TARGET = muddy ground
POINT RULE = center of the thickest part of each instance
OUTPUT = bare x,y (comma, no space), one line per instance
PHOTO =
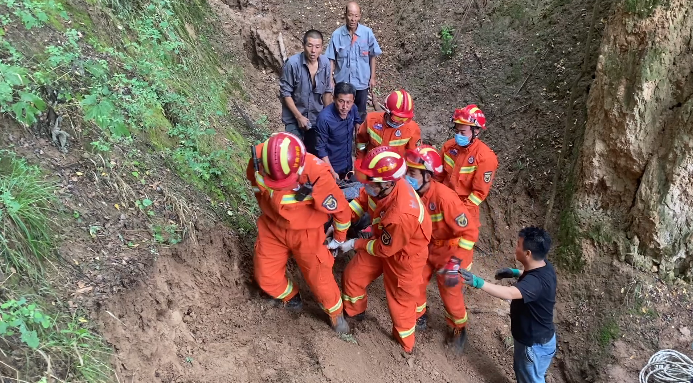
191,313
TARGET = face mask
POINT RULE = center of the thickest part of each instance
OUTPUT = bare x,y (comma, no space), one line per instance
413,182
461,139
370,190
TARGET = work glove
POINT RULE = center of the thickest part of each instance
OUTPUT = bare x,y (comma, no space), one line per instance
451,272
334,244
471,279
507,272
347,245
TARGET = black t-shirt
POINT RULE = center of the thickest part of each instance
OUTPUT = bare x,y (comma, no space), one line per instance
531,318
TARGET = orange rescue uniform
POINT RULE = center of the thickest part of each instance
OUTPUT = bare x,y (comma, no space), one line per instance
288,226
401,232
469,171
375,132
454,235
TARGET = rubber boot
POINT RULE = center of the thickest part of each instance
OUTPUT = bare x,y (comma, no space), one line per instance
339,324
422,322
358,317
458,340
295,303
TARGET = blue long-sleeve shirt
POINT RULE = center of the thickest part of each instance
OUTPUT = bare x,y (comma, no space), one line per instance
296,83
335,136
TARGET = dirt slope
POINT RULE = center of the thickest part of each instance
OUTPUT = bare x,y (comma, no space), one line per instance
190,312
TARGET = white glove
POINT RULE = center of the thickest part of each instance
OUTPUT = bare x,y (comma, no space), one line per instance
348,245
334,245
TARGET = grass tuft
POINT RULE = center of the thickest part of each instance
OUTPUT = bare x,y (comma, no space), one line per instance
26,201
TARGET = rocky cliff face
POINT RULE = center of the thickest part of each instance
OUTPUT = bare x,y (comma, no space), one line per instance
637,158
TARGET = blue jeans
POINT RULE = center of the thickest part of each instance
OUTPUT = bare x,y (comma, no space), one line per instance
532,362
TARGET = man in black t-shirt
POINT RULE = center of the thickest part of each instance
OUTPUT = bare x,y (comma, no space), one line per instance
531,309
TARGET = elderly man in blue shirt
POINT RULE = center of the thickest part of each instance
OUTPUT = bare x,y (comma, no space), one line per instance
305,87
352,52
335,130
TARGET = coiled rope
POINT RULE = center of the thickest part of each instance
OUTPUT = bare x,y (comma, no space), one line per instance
667,366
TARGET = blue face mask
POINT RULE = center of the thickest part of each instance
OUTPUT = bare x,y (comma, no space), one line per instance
461,139
413,182
370,190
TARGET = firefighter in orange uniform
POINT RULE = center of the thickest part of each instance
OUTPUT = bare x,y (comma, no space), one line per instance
452,245
399,248
297,194
469,164
394,127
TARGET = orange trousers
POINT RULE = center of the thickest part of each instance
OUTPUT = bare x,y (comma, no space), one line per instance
453,299
273,247
402,277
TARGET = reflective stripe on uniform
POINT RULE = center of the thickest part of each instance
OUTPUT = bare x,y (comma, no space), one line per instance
449,160
334,308
475,200
466,244
371,204
455,320
436,217
361,146
356,207
469,268
369,247
468,169
399,142
375,136
422,211
287,291
376,221
341,226
404,334
291,198
352,300
256,189
421,308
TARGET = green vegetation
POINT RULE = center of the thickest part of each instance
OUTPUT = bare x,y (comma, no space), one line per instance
164,85
600,234
642,8
447,42
26,200
608,332
62,341
143,81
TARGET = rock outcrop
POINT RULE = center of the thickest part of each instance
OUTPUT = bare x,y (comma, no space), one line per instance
637,157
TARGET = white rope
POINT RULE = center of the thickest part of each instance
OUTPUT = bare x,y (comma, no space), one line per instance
668,366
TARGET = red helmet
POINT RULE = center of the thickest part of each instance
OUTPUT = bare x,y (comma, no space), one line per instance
381,164
400,106
283,156
425,157
470,115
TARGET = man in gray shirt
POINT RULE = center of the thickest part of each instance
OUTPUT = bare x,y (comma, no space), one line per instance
305,87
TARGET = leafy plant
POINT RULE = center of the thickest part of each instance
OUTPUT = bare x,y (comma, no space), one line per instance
166,234
447,42
20,317
17,97
26,199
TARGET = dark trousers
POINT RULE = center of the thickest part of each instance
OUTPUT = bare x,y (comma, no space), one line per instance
361,101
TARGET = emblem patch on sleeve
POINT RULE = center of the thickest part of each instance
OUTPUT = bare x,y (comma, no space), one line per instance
386,238
487,177
330,203
462,220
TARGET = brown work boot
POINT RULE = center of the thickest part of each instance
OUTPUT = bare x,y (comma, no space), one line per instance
339,324
458,339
